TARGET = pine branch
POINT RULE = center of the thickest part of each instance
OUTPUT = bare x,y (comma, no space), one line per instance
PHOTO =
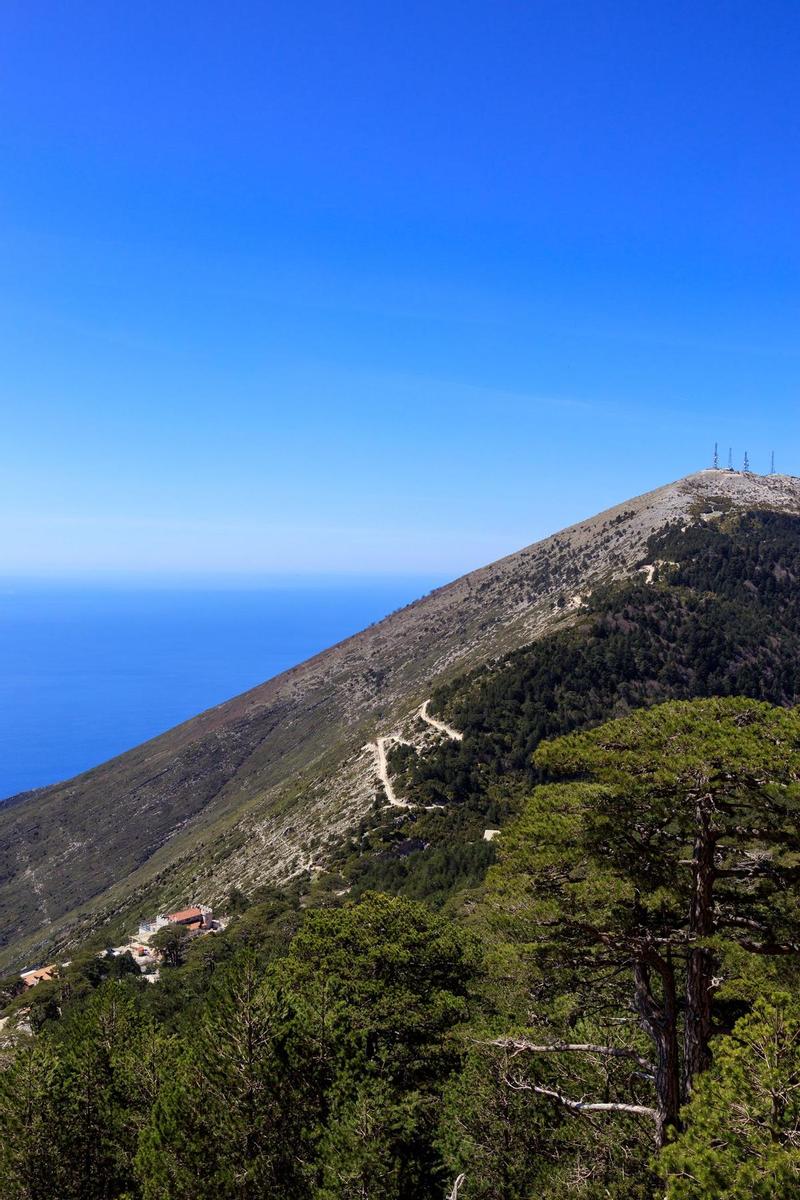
771,948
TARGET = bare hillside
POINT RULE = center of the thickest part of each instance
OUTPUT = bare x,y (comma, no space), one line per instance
253,789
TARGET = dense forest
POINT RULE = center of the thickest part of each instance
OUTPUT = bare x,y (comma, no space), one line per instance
601,1002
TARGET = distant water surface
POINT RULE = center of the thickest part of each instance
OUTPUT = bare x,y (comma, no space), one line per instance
86,673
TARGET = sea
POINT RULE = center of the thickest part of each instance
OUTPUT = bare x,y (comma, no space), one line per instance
87,672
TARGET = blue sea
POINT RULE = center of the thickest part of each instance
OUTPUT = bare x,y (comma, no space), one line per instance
87,672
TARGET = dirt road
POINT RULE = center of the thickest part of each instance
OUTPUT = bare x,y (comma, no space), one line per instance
440,725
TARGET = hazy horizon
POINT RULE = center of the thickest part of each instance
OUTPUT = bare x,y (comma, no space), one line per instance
90,671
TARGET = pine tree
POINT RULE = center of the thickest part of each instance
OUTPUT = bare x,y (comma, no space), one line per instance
488,1132
368,1148
742,1135
671,856
382,984
106,1091
231,1119
31,1155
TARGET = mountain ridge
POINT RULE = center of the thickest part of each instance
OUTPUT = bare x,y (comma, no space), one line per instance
264,781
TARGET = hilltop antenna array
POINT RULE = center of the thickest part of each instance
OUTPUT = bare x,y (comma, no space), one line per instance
746,467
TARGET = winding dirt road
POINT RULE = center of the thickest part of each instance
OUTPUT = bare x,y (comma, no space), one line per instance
378,748
440,725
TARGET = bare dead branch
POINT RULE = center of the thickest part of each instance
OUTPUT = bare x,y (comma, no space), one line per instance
584,1106
456,1188
523,1046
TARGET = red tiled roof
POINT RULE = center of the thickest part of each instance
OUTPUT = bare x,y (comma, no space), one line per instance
186,914
31,978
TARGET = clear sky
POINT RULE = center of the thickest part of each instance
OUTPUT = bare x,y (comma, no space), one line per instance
384,287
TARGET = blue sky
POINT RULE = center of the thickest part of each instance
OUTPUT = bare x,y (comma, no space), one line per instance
385,287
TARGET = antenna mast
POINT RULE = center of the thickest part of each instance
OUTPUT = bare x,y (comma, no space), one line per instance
772,463
746,464
716,457
730,458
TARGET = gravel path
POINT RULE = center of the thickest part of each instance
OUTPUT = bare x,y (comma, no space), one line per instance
440,725
378,748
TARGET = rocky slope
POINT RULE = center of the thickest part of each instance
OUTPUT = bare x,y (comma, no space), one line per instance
256,788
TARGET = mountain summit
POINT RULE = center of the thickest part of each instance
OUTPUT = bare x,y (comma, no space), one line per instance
261,787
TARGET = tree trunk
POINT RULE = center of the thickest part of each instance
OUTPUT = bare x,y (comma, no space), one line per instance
700,962
659,1019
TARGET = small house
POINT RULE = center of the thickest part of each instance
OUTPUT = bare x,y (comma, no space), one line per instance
31,978
197,918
